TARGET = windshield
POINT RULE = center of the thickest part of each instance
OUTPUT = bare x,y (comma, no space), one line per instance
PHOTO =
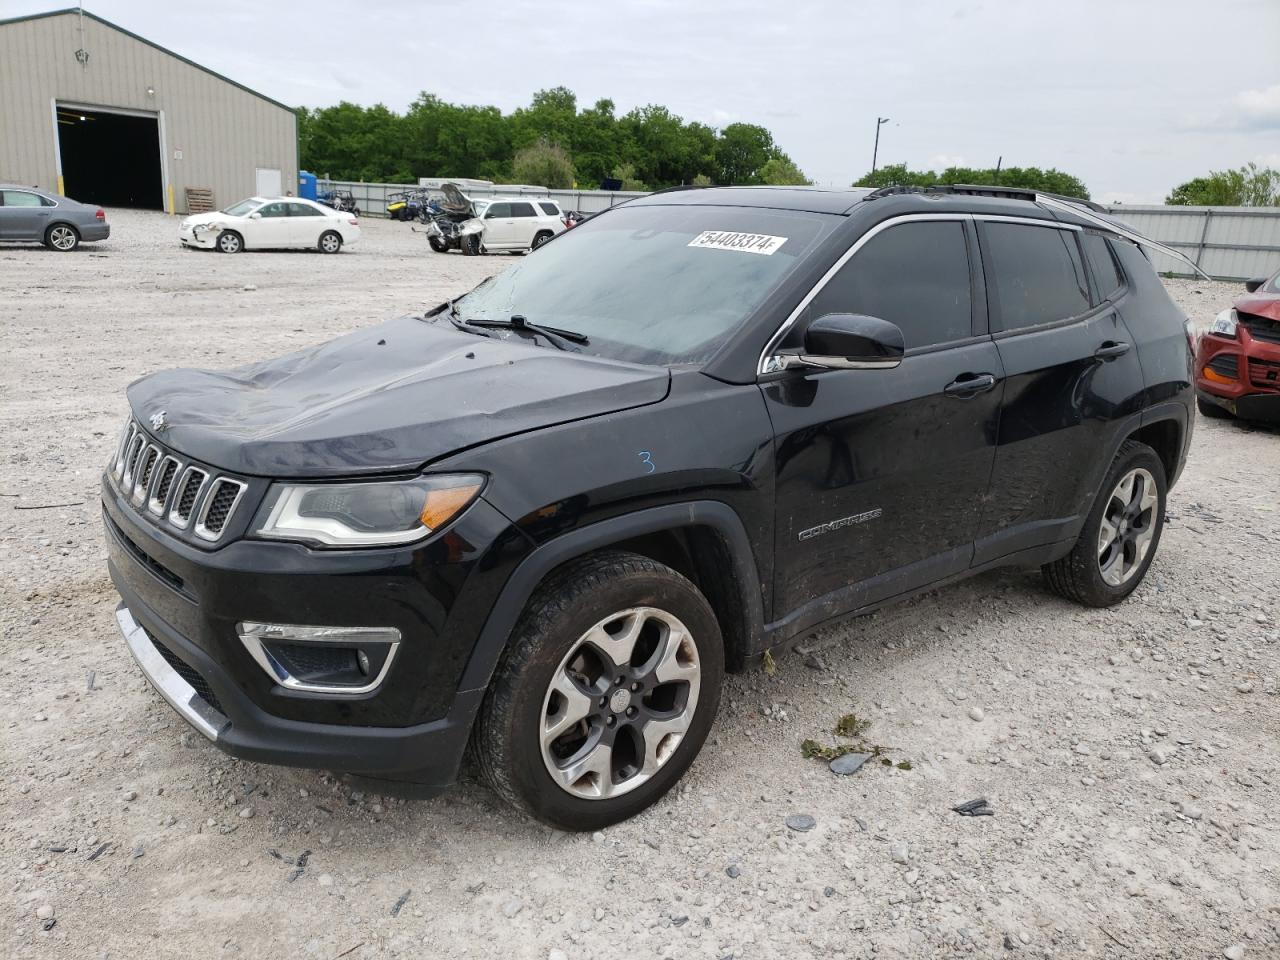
242,208
654,284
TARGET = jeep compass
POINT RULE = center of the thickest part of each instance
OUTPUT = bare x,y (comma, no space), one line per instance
541,521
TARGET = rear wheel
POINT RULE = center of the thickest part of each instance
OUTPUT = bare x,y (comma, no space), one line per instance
1211,410
330,241
609,686
62,237
540,239
230,242
1120,535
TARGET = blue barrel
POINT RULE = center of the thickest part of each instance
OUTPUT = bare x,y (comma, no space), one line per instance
306,185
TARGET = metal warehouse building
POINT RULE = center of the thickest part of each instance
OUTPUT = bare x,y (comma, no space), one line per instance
106,117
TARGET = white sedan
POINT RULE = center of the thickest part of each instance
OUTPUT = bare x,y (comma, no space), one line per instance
271,223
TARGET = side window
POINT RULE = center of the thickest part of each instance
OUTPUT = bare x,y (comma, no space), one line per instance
498,211
1103,264
1034,274
915,275
20,198
522,210
302,210
550,209
275,210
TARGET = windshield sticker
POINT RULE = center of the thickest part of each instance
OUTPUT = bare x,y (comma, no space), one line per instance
742,242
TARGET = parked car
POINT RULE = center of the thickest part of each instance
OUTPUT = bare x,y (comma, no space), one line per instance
1238,360
545,518
31,215
340,200
520,223
270,223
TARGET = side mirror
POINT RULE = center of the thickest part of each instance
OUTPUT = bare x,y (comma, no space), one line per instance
255,216
1253,285
850,341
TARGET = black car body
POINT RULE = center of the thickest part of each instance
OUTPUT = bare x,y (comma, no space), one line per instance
1040,350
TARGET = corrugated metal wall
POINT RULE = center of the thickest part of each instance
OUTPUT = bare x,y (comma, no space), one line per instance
1230,243
220,131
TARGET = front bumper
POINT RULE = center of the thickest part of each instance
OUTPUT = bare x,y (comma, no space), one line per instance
1240,374
181,603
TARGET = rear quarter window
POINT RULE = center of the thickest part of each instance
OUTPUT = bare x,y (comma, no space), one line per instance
550,209
1106,274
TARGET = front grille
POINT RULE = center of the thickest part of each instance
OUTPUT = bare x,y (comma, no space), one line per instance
1226,365
1265,374
1260,328
193,678
176,492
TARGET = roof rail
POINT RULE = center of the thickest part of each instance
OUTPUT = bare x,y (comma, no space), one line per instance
986,190
680,186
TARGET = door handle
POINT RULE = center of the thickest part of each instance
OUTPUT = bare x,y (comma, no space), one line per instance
1111,349
969,385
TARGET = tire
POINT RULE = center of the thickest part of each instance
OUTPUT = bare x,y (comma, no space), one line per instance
62,237
1101,576
672,630
540,238
438,244
1212,411
470,245
330,242
230,242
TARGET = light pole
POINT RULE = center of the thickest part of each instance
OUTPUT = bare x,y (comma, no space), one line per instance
880,121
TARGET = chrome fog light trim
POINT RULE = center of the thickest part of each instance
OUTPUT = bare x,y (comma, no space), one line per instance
255,636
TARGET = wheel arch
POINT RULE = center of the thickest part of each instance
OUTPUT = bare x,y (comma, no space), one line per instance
703,540
1165,430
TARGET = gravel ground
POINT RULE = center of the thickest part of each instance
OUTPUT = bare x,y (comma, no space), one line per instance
1129,755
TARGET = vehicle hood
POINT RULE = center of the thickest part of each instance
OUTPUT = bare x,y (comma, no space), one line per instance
384,400
454,201
214,216
1260,305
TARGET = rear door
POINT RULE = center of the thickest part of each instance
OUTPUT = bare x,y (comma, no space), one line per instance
1073,382
306,223
881,473
524,223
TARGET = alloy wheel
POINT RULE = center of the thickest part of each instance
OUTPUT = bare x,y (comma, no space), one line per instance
62,238
619,703
330,243
1128,526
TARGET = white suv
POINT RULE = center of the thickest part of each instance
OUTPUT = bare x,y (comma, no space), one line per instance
520,223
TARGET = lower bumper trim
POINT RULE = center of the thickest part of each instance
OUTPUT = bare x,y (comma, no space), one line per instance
176,691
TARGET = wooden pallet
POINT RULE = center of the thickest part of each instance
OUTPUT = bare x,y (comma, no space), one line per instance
199,199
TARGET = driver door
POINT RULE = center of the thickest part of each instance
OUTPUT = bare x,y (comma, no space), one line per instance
881,474
499,226
269,227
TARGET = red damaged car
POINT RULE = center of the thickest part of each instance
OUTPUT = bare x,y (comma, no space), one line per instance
1238,360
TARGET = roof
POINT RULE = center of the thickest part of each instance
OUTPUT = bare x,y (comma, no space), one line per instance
75,11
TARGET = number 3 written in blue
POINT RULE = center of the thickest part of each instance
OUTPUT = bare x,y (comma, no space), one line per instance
646,459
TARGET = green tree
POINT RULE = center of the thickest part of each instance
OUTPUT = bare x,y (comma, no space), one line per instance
543,164
1249,186
743,149
782,171
626,172
1029,178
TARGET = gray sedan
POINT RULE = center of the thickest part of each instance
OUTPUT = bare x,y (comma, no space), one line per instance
28,214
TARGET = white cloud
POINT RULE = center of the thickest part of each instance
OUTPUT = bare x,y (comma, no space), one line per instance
1260,108
940,161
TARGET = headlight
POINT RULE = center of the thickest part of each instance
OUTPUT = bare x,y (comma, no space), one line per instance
365,514
1224,324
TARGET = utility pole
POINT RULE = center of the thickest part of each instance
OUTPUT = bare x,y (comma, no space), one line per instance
999,163
880,121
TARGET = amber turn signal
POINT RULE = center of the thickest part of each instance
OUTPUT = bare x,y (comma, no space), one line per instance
445,503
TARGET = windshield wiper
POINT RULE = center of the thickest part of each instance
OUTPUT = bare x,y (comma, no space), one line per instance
557,337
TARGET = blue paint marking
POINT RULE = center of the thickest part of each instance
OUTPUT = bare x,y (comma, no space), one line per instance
646,459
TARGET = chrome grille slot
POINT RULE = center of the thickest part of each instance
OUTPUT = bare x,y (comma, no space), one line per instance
171,490
165,474
224,494
143,472
189,489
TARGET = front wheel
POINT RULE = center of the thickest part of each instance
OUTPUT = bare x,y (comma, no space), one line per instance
609,686
471,245
230,242
1120,535
62,237
330,242
438,244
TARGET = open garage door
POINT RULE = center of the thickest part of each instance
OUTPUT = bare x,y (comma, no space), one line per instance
111,159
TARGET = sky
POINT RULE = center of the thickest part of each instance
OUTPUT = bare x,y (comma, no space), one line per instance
1131,96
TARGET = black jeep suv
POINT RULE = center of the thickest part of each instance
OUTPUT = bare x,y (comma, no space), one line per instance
544,519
